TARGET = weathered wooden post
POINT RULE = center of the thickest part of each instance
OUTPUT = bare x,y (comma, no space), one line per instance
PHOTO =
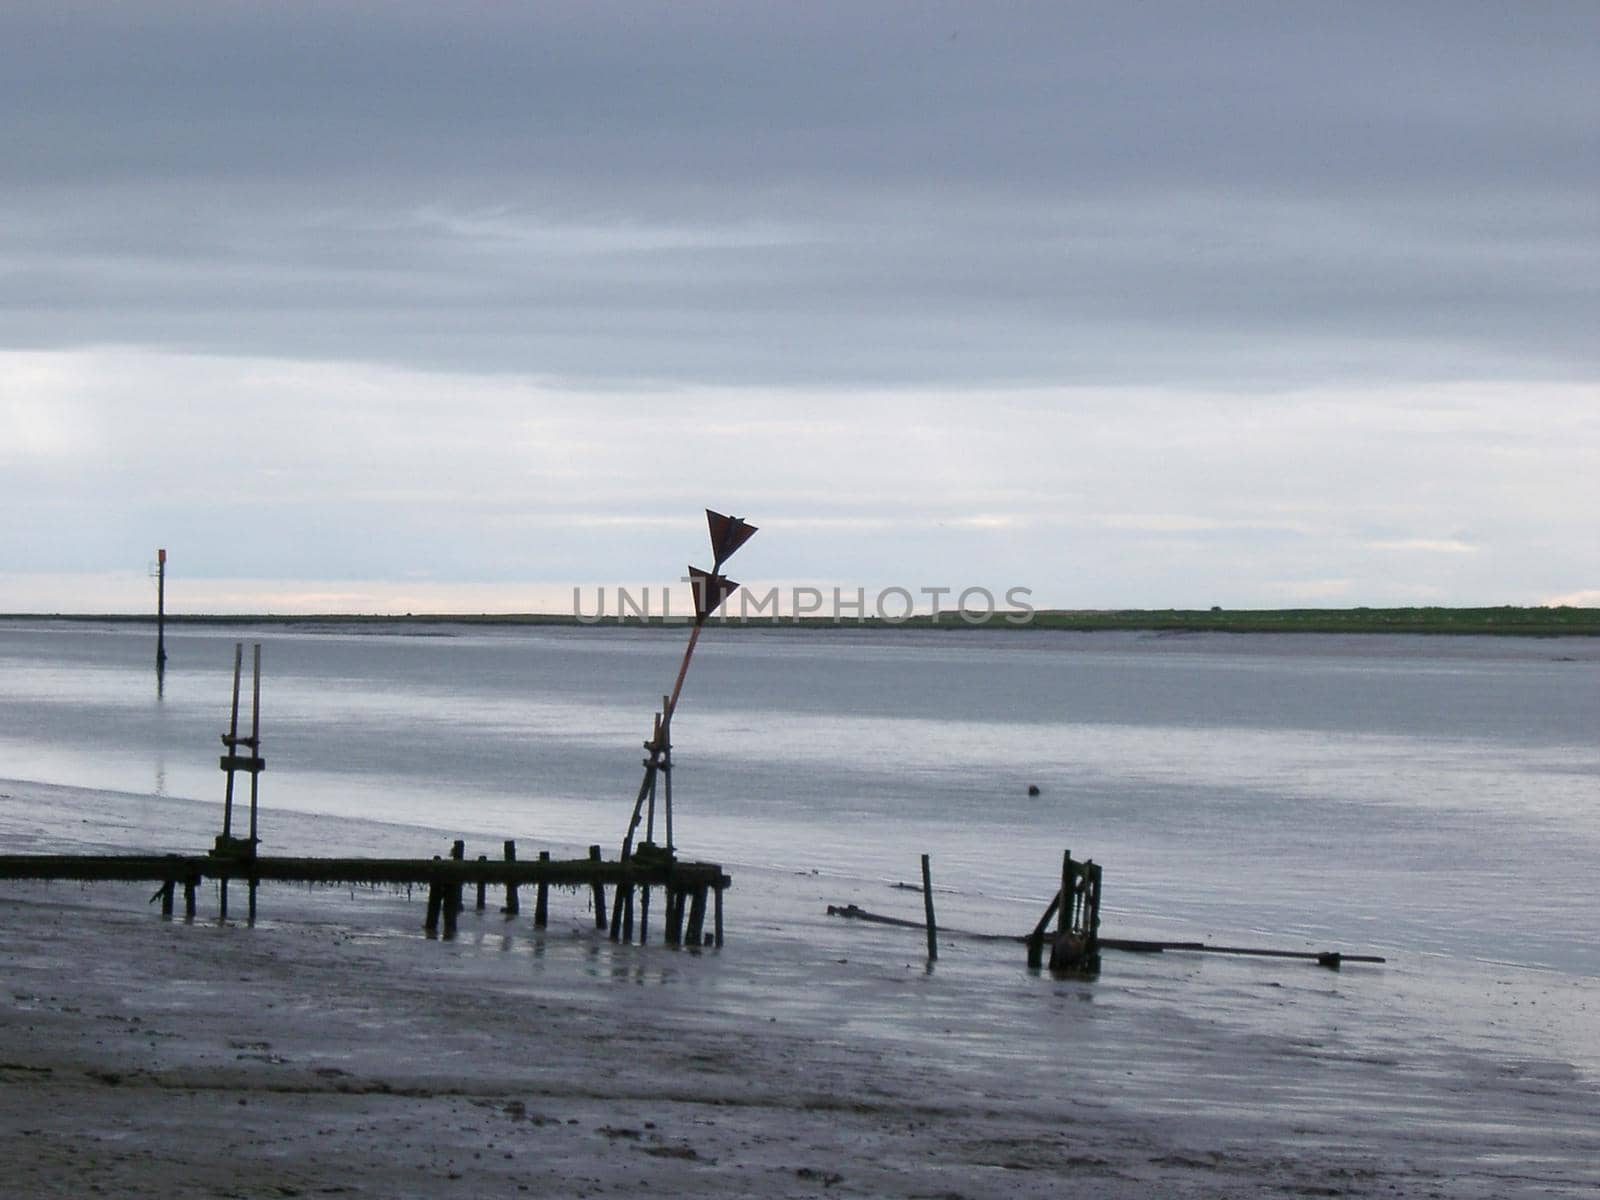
231,740
695,935
644,913
257,765
927,908
452,908
665,768
618,903
483,887
512,906
675,897
541,905
717,905
450,892
227,847
1076,947
435,903
599,892
1069,880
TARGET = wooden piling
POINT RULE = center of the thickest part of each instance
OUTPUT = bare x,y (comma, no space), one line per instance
435,903
1075,948
927,908
617,905
599,892
231,740
256,764
188,898
541,906
675,899
717,914
452,908
512,906
445,879
483,887
167,890
695,934
1068,888
1063,954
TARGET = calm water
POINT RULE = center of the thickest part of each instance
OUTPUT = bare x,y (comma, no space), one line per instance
1425,796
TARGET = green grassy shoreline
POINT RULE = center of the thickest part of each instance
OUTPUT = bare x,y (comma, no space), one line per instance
1506,621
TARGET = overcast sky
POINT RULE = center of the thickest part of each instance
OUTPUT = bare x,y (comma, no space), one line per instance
406,306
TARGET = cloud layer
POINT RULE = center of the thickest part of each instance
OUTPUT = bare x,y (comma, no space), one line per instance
1152,304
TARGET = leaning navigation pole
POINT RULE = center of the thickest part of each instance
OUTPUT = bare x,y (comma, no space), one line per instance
710,589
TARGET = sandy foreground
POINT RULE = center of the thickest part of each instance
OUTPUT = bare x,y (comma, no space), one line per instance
333,1050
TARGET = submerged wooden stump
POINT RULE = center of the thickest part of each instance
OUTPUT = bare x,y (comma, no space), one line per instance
512,905
598,892
541,906
1075,944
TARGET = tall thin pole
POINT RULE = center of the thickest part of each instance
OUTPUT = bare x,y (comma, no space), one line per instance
255,744
711,589
666,774
662,731
654,746
232,740
161,608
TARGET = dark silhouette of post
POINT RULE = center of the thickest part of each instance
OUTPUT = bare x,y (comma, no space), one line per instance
161,610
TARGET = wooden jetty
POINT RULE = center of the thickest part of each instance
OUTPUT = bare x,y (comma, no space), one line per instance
686,885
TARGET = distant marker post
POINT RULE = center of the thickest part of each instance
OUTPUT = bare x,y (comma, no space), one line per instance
161,609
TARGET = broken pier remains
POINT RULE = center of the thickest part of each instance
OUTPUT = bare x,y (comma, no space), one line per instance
690,888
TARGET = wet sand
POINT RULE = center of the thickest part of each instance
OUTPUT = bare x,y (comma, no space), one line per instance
332,1050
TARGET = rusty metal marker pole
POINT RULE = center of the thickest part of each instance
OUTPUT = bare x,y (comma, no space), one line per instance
710,589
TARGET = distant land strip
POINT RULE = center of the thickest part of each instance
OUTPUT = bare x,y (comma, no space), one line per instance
1505,621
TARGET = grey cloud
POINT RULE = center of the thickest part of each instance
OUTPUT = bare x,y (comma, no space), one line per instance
1060,93
814,195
